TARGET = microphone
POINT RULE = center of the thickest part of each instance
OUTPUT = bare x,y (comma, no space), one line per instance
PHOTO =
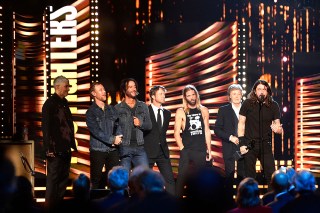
26,164
137,93
261,98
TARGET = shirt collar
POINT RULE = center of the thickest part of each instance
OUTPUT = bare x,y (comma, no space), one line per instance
156,108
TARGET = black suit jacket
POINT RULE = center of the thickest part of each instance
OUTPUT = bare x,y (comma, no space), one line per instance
153,137
226,125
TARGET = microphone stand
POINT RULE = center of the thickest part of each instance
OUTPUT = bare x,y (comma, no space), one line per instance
261,137
26,164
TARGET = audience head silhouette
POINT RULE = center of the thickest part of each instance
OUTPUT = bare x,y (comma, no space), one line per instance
304,181
290,173
151,181
279,181
248,193
118,178
205,184
134,188
7,179
204,189
81,187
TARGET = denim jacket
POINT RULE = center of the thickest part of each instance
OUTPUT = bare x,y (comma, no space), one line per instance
103,127
126,121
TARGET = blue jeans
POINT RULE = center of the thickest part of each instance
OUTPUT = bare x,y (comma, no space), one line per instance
133,154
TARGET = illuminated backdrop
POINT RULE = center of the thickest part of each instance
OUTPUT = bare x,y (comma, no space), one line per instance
208,61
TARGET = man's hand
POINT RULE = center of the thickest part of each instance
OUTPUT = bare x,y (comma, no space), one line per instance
276,128
234,140
244,150
50,154
136,121
118,140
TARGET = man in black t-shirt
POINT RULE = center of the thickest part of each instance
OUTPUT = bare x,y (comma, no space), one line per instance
194,142
259,117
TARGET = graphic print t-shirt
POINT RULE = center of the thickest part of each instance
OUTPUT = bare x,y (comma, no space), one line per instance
193,136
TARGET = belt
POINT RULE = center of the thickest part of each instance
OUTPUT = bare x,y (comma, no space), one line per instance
63,153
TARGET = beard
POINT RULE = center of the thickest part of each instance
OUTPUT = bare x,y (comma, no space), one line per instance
192,102
131,94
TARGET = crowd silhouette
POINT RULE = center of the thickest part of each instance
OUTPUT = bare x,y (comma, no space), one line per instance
143,190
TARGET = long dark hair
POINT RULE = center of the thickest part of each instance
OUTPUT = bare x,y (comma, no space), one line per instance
253,96
124,86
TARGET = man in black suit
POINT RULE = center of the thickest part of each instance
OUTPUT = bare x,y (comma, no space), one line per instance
155,140
226,128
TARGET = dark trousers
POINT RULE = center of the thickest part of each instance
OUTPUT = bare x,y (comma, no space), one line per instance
58,169
97,161
229,164
165,168
190,160
265,155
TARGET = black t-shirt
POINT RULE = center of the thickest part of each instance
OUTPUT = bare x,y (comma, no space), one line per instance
193,136
255,113
133,139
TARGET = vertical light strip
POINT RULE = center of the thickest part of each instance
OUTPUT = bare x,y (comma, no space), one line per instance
137,13
2,78
242,42
94,38
46,38
261,9
307,31
14,74
149,11
3,82
294,33
301,123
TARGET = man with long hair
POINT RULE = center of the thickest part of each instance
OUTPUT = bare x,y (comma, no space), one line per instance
134,121
259,117
194,142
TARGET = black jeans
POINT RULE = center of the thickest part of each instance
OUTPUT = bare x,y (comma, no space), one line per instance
58,169
189,161
165,168
97,161
265,155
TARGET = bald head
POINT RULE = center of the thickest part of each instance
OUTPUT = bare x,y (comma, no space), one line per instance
279,181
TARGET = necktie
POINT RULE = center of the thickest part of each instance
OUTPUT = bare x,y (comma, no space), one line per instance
159,121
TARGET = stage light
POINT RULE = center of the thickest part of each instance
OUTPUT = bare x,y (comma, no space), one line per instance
285,109
284,58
